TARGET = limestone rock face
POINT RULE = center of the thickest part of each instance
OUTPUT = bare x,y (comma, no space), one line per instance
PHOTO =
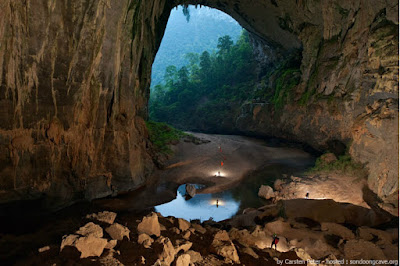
73,95
74,86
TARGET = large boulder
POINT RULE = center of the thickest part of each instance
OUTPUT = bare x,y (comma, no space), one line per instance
369,234
266,192
194,256
278,184
183,260
150,225
183,225
88,246
361,249
337,229
168,252
90,229
190,190
118,231
181,244
105,217
145,240
223,246
331,211
199,228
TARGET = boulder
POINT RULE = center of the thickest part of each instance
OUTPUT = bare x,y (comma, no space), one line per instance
149,225
105,217
145,240
278,184
181,244
190,190
266,192
186,235
194,256
246,239
175,230
118,231
361,249
369,234
221,235
168,252
183,225
183,260
89,246
249,251
330,211
90,229
111,244
223,246
337,229
199,228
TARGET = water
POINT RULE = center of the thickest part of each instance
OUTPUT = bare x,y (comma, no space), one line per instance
201,206
230,202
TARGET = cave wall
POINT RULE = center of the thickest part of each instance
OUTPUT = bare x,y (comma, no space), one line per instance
75,76
73,95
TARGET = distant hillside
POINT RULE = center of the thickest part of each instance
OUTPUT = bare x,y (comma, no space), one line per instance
201,33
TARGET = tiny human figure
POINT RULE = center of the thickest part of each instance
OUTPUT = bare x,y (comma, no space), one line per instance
222,163
275,241
219,174
217,203
307,195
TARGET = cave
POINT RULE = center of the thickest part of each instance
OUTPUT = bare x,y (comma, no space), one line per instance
74,91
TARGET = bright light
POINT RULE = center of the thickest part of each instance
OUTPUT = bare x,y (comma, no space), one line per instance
219,173
214,202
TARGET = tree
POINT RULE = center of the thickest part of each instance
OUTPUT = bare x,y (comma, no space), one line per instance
205,61
224,44
170,76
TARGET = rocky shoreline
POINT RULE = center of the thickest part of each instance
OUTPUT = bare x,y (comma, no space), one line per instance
311,231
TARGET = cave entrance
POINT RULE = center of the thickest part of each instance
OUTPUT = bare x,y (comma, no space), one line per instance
203,71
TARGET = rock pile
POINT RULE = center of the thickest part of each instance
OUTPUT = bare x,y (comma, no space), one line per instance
303,235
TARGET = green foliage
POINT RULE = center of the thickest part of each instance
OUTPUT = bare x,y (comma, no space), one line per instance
345,165
161,135
200,34
284,85
212,86
284,78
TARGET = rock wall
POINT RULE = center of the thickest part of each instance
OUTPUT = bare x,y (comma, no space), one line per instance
74,79
348,89
73,95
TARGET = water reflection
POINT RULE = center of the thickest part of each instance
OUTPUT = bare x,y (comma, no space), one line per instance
202,206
